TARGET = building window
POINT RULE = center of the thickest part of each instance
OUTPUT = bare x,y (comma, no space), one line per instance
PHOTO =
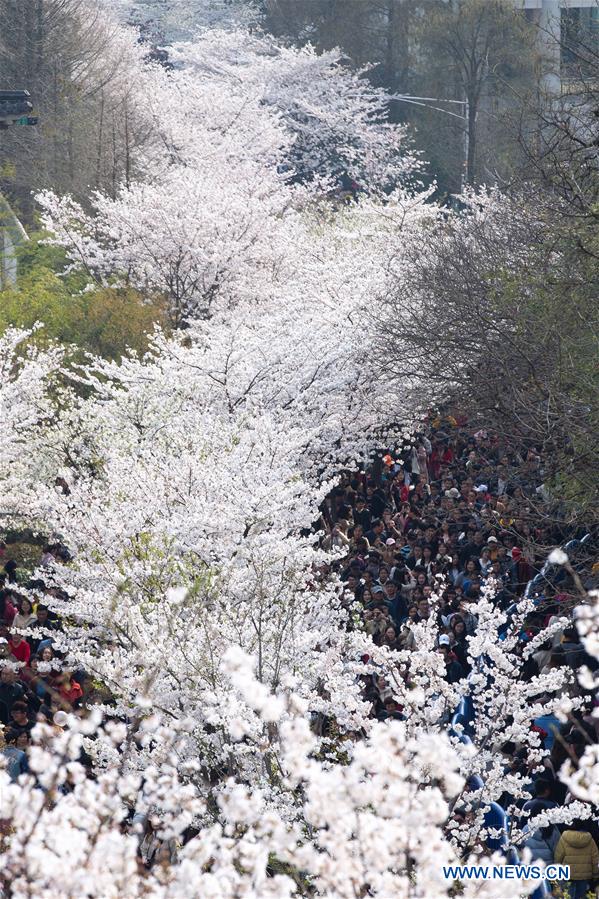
580,33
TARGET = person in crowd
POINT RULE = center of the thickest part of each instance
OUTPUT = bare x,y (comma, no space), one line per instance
376,532
338,538
453,570
424,609
416,558
468,617
405,638
407,584
391,710
367,597
454,671
413,544
577,849
459,642
29,674
25,617
466,577
16,758
8,608
485,561
473,545
543,841
398,607
20,720
11,691
68,689
49,555
44,621
19,648
10,570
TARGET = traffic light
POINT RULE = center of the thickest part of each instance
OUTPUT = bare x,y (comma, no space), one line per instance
15,107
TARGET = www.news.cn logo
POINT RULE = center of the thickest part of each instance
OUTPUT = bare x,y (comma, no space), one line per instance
506,872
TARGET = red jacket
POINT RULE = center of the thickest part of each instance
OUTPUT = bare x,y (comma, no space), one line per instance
22,652
75,692
9,612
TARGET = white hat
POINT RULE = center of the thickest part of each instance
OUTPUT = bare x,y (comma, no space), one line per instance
390,542
492,540
444,640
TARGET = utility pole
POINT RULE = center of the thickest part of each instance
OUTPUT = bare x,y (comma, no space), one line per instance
463,116
551,39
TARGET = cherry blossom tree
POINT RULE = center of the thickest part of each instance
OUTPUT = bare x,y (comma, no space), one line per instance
375,823
28,377
225,210
583,779
190,484
200,469
208,213
502,708
338,119
176,20
194,475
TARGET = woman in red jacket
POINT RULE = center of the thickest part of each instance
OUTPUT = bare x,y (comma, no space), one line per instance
20,648
69,690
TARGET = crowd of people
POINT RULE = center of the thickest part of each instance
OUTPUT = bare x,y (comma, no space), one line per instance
36,685
417,534
421,533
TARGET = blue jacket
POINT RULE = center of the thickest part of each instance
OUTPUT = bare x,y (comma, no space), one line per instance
17,761
542,848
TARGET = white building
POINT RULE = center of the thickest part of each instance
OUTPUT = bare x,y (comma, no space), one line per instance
559,21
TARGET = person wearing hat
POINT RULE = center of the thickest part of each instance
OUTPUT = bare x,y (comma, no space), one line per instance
378,598
492,546
388,552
